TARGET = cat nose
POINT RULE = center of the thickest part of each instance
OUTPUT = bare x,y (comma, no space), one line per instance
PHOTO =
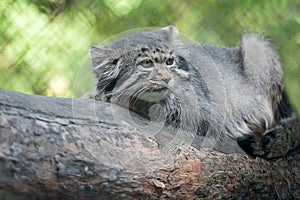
166,79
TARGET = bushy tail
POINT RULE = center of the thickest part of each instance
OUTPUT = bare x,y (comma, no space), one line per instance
278,141
281,139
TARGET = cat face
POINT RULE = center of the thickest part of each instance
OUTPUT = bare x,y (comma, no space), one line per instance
155,78
143,66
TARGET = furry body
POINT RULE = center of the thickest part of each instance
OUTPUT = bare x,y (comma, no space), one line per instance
203,89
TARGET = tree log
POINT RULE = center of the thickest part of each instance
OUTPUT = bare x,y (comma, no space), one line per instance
57,148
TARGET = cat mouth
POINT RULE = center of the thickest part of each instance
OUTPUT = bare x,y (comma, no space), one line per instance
155,93
159,88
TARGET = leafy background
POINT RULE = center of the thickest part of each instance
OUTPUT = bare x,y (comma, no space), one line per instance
44,43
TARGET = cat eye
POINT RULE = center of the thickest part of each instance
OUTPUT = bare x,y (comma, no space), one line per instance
147,63
170,61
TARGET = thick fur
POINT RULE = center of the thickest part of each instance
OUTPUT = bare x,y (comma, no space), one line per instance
203,89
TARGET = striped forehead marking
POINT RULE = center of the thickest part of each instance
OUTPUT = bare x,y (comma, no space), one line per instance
157,54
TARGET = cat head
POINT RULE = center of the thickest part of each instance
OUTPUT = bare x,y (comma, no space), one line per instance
140,66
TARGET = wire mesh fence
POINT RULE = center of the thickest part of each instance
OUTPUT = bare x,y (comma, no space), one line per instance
45,43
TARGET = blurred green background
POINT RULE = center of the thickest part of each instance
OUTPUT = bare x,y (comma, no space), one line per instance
44,44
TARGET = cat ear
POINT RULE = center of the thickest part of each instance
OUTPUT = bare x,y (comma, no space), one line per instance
105,61
102,56
170,33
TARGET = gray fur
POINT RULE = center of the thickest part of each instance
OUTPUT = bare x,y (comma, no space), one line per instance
234,92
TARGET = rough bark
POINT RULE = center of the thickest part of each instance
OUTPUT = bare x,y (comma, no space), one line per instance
55,148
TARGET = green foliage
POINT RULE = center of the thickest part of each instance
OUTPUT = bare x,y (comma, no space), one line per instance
44,44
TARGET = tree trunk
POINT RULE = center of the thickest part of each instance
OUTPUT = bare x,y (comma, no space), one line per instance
56,148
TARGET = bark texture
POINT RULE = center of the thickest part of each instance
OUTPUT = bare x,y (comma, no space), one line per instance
55,148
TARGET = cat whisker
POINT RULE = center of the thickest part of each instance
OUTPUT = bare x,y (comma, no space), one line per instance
139,93
129,93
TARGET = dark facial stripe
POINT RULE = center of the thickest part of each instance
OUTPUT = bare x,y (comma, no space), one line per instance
182,64
106,84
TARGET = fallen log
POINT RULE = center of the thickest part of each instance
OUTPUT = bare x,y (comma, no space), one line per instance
57,148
